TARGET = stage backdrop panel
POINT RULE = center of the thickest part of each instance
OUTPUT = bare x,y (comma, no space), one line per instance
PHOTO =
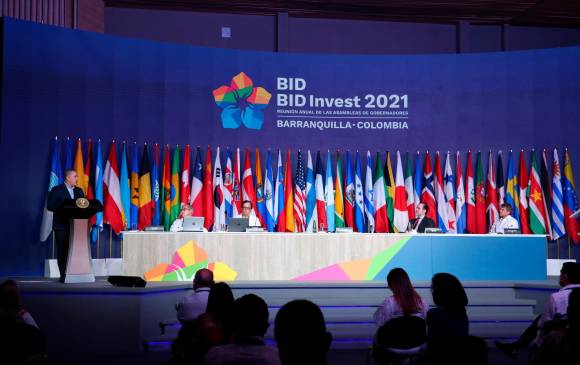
61,82
331,257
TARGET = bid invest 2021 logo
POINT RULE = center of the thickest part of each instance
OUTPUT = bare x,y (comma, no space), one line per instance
242,103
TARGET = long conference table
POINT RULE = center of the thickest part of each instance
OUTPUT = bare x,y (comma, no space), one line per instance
167,256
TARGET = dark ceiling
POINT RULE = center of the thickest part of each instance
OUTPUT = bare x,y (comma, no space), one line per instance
561,13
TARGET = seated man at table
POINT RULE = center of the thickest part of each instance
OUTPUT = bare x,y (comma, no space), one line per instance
247,212
421,220
186,211
505,220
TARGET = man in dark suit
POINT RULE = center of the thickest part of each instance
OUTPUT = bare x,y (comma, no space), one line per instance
421,221
60,224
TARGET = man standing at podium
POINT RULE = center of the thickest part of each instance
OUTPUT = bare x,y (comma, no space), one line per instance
60,224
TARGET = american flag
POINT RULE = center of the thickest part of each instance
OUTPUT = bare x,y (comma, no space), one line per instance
300,196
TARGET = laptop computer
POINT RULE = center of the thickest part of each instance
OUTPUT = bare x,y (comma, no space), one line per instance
238,224
193,224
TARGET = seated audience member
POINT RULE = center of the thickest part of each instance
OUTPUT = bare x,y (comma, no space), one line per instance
505,220
248,212
11,297
555,308
405,301
301,334
421,221
191,306
20,343
560,346
397,330
210,329
249,324
449,318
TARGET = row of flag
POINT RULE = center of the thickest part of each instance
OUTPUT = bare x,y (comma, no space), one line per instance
318,196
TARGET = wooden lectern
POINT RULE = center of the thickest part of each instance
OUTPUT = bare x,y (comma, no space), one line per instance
79,268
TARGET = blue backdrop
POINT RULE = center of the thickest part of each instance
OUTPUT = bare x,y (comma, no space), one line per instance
70,83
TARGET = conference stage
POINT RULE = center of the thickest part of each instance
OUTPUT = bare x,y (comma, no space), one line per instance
259,256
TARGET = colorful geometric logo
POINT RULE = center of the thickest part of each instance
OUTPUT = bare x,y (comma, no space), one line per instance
242,103
375,268
186,261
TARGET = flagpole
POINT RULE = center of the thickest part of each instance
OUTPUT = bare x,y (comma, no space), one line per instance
557,250
52,245
111,242
569,248
98,241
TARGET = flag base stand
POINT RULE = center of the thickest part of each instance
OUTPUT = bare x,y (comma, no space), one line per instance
555,265
114,266
100,267
51,269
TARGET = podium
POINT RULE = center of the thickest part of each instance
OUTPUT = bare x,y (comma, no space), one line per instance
79,268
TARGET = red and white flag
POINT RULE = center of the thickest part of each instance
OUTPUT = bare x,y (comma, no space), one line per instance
491,202
470,195
248,190
237,189
112,192
428,193
184,192
300,196
401,215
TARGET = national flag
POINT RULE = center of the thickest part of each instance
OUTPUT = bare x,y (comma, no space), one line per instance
68,154
288,196
155,191
512,188
349,195
570,200
368,196
112,207
558,228
82,181
125,189
390,180
219,217
311,210
248,190
300,196
269,194
260,201
98,178
207,192
54,179
409,187
329,194
480,224
237,191
418,186
547,190
537,207
90,193
450,198
401,215
279,211
442,212
470,199
338,194
359,209
196,197
134,183
523,207
145,202
166,183
500,181
228,186
460,203
320,202
175,186
380,198
428,193
185,189
491,204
